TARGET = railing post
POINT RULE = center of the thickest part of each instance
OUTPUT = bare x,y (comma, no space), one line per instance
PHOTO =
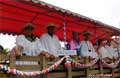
87,69
101,69
12,64
112,70
69,72
44,65
113,75
12,61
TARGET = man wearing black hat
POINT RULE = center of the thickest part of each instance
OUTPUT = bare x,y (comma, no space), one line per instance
87,48
27,44
50,41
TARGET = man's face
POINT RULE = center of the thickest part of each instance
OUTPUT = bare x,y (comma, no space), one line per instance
76,36
87,37
51,30
28,32
104,42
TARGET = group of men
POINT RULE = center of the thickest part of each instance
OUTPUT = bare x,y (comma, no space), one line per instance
105,48
85,47
29,45
48,44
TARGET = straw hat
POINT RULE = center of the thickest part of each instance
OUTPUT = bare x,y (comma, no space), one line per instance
86,33
50,25
75,33
28,26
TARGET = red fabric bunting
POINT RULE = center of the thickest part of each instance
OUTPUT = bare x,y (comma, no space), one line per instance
15,14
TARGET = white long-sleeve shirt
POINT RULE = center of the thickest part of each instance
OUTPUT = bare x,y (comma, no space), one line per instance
51,44
29,48
111,50
85,47
103,53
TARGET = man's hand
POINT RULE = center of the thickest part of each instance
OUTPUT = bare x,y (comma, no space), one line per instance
18,50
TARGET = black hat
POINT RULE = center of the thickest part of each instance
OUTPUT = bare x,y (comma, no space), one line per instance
86,33
28,26
74,33
50,25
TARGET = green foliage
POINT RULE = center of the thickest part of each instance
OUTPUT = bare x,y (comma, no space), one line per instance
6,51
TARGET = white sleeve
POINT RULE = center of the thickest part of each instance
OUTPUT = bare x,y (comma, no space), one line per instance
42,41
83,47
92,47
58,43
20,41
40,48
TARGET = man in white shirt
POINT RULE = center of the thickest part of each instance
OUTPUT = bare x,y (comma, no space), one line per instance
87,48
102,50
50,41
110,48
27,44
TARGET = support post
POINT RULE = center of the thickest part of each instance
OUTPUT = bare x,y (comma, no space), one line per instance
44,65
101,69
112,70
12,64
87,69
69,72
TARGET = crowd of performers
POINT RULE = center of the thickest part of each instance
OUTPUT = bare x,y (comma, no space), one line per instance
48,44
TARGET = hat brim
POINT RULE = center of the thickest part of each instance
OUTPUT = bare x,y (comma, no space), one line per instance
73,33
29,26
52,26
86,33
